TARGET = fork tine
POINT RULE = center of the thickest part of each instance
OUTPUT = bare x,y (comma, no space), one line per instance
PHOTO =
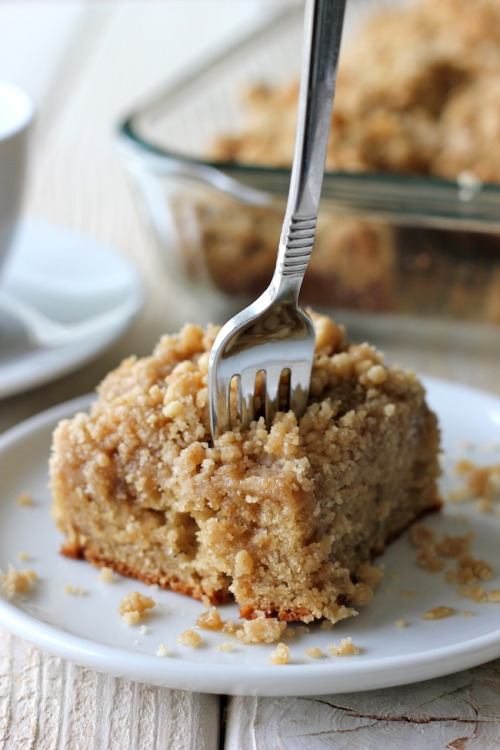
219,405
273,379
300,376
246,399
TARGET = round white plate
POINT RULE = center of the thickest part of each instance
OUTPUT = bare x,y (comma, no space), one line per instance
72,280
88,630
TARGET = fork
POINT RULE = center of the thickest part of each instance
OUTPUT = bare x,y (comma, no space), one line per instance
273,337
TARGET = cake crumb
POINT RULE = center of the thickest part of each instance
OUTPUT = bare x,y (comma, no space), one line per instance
106,574
484,505
143,629
134,607
280,655
494,595
344,648
226,646
369,575
17,581
469,570
243,564
261,630
190,638
428,560
438,613
162,650
289,633
69,588
25,556
25,498
303,629
407,594
229,627
476,593
401,623
314,652
210,620
326,625
468,613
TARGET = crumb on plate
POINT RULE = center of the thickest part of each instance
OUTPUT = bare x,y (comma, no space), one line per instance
280,655
107,575
261,630
25,498
344,648
69,588
189,638
17,581
134,607
226,646
210,620
438,613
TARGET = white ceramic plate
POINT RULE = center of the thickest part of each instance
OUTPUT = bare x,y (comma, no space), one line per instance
73,281
88,630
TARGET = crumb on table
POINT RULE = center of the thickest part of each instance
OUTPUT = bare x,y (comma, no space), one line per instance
162,650
314,652
280,655
344,648
134,606
23,556
401,623
17,581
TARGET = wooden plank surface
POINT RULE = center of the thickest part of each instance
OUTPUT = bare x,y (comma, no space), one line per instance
48,703
459,712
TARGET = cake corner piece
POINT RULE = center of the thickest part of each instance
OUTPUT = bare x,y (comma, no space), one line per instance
285,520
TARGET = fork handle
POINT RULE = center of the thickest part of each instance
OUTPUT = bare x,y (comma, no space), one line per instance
321,46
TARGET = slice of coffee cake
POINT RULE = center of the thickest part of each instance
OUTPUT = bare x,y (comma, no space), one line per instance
285,520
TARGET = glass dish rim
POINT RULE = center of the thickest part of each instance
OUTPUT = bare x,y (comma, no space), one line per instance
257,183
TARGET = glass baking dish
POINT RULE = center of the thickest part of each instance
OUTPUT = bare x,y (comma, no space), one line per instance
391,249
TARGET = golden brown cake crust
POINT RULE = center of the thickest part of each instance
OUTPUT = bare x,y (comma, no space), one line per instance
283,519
80,553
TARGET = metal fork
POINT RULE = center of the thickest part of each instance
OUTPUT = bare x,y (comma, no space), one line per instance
273,336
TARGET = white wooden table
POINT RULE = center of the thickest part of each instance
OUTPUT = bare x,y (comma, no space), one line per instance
86,63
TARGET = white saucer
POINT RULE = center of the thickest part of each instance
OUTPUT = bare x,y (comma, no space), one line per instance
72,280
88,629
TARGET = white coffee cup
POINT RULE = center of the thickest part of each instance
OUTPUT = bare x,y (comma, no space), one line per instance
16,115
